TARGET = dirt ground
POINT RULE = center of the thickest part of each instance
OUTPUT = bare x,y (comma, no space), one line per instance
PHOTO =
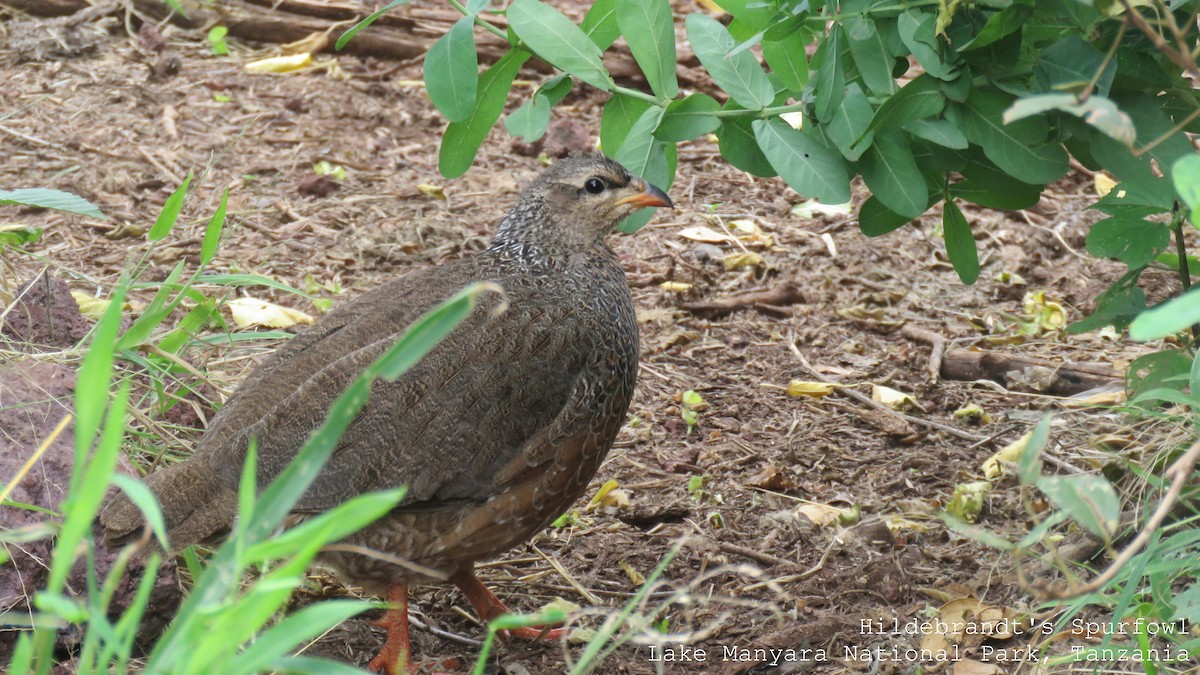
121,120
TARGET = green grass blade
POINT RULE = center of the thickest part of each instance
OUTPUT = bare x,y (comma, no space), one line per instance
284,636
50,199
212,233
144,499
170,212
348,35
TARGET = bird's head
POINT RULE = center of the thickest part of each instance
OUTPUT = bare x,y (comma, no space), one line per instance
578,200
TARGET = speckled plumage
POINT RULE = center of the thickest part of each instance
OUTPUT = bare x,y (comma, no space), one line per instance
495,433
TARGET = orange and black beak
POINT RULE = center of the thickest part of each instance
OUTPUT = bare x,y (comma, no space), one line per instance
649,196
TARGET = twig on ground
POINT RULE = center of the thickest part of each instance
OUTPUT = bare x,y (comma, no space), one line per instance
934,340
773,299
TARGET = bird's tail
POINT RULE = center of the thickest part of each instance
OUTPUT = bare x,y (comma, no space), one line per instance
195,505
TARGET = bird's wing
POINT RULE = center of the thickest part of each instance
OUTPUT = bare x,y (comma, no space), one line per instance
444,429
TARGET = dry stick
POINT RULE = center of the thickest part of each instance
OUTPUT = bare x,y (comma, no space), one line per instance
933,339
757,556
868,401
1178,472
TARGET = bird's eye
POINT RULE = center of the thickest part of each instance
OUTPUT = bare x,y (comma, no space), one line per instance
594,186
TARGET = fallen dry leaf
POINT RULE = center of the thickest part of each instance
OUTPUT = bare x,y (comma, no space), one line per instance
894,399
253,312
800,388
280,64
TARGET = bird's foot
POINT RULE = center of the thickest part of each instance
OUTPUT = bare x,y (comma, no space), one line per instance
488,607
534,633
396,655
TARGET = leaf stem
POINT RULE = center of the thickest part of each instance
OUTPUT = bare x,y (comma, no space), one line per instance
1185,271
480,21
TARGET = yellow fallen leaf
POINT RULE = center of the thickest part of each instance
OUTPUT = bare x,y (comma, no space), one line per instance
973,413
280,64
609,496
1113,397
705,235
89,305
1104,183
736,261
800,388
254,312
897,523
635,577
967,502
896,400
1048,314
434,191
675,286
711,7
993,467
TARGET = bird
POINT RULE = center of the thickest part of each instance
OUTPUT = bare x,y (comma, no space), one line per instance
494,433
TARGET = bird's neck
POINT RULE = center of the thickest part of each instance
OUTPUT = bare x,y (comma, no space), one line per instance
531,237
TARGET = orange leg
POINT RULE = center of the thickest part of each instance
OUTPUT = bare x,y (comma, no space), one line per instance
488,607
396,656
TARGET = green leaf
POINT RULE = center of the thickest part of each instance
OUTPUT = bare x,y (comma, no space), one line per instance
870,54
1149,374
558,41
1090,501
975,532
530,121
1097,111
1069,64
788,59
848,128
50,199
941,132
1133,241
1186,174
740,76
452,71
144,499
1019,149
1153,126
689,118
216,40
808,167
462,139
1029,466
735,138
212,233
170,212
960,243
891,173
647,27
154,313
348,35
1137,200
1005,22
830,84
917,33
620,113
1168,318
875,219
600,23
916,100
281,639
95,373
988,186
1116,306
649,158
